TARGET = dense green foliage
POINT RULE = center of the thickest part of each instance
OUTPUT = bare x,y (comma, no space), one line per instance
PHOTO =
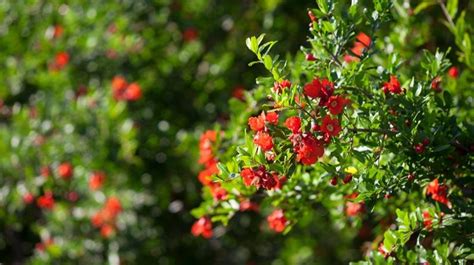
105,108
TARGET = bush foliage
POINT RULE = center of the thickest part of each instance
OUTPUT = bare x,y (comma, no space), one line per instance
132,131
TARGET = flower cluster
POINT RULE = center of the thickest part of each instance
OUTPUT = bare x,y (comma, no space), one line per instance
106,218
209,161
261,178
122,90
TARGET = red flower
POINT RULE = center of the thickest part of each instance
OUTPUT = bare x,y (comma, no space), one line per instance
294,124
336,104
435,84
334,181
354,208
121,90
272,117
247,205
426,141
65,170
257,123
205,176
190,34
261,178
119,86
133,92
347,179
277,221
313,89
57,31
96,180
310,57
364,39
453,72
382,250
279,87
248,176
312,16
392,86
46,201
427,220
238,92
438,192
60,61
45,171
28,198
218,192
202,227
107,230
308,149
358,49
113,205
330,126
264,140
206,156
419,148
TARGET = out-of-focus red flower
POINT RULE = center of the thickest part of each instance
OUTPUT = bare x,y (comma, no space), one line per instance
45,172
248,205
190,34
202,227
46,201
310,57
312,16
382,250
218,192
60,61
28,198
121,90
65,170
133,92
436,84
354,208
453,72
107,230
113,205
57,31
277,221
238,92
96,180
419,148
427,220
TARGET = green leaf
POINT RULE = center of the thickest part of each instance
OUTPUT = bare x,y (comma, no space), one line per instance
452,6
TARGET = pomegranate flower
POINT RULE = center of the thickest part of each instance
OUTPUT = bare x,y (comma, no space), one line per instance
438,192
330,126
264,140
202,227
277,221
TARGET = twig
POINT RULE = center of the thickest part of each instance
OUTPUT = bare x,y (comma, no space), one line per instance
370,130
446,14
